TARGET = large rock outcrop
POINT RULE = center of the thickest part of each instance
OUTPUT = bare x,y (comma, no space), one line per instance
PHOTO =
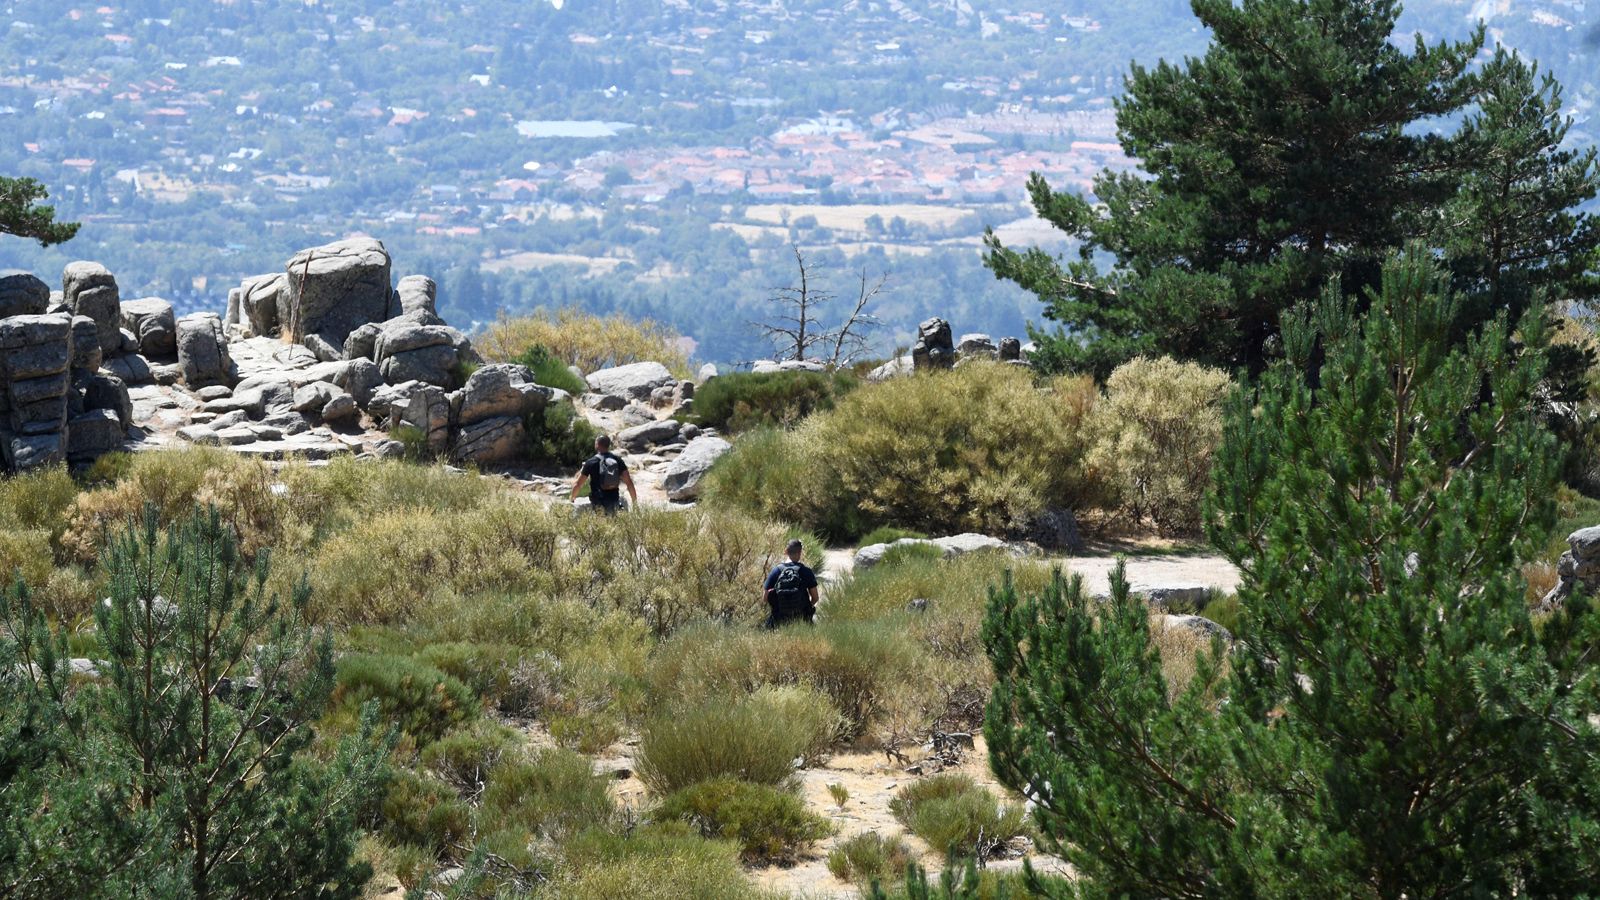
203,350
334,289
152,321
22,294
636,381
687,473
89,289
54,405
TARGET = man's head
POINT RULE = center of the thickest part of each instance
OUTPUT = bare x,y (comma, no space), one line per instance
602,443
794,549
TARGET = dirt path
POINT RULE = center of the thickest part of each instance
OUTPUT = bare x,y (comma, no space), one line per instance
871,780
1143,570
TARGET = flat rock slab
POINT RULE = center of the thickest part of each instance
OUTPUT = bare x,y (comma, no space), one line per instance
955,545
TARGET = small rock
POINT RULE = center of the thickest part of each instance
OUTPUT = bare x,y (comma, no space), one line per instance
340,409
214,392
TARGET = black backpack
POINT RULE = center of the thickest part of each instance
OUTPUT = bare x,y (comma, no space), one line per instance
608,471
789,589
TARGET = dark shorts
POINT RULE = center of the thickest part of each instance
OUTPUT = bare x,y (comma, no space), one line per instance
609,506
781,616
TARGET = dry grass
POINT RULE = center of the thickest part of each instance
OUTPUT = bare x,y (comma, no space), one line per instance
584,340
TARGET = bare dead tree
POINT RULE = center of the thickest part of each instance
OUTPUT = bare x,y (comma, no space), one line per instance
796,329
850,338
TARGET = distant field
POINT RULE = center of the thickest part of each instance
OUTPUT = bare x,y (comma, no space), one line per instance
854,217
1027,232
521,262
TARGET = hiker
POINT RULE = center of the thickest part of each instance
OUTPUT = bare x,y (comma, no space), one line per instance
605,473
791,590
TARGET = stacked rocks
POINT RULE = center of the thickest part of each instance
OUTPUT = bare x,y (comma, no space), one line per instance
934,348
35,352
1579,567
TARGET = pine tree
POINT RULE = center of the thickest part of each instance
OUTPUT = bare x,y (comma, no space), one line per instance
21,214
196,727
1294,152
1392,723
1513,230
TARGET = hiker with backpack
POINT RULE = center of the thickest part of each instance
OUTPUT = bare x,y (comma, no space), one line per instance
791,590
606,474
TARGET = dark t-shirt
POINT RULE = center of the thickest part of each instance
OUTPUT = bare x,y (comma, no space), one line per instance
808,578
591,468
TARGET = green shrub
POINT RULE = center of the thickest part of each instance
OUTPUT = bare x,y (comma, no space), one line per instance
1225,611
560,435
857,666
486,668
685,744
549,793
1155,432
744,400
423,811
768,824
549,371
955,815
869,857
667,861
772,474
419,699
346,490
464,756
978,448
888,534
969,883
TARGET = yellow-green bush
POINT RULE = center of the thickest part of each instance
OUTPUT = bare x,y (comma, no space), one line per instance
25,554
668,861
583,339
1155,430
670,569
956,815
769,825
174,481
549,793
37,500
978,448
858,667
387,568
869,857
729,737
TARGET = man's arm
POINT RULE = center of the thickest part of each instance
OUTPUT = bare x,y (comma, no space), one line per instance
813,593
583,478
633,495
